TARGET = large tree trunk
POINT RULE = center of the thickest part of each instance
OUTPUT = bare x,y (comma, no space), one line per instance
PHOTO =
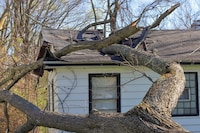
153,114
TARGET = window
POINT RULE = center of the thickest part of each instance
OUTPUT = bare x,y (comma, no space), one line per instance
188,101
104,92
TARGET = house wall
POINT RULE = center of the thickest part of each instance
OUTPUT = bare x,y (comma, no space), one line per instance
71,89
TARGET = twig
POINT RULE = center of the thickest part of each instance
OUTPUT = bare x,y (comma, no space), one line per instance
142,37
7,117
127,63
194,51
35,20
79,36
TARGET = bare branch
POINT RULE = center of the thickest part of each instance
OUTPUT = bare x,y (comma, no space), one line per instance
3,18
164,15
155,24
119,35
94,12
40,23
25,128
22,70
79,36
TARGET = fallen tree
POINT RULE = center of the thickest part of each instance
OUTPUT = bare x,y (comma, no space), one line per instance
153,114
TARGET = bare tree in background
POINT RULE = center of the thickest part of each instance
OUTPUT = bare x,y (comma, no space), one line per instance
20,27
186,15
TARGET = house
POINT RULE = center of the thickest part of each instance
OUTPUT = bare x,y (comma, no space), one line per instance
87,79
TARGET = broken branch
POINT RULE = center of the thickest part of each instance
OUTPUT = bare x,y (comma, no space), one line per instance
155,24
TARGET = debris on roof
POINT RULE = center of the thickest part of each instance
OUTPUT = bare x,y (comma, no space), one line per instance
175,45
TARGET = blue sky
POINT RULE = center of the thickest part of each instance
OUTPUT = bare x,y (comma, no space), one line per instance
192,5
188,8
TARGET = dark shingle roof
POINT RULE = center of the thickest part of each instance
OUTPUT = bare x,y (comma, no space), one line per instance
176,45
57,39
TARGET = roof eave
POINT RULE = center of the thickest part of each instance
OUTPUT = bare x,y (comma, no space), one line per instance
53,64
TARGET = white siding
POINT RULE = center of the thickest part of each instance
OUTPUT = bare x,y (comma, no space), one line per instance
71,86
132,92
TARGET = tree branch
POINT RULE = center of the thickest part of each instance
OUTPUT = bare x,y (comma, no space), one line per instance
95,122
164,15
79,36
25,128
136,57
16,73
94,13
40,23
117,36
3,17
155,24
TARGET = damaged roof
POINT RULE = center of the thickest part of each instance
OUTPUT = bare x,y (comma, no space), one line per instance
174,45
57,39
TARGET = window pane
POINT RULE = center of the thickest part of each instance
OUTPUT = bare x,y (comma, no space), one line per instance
193,91
104,87
180,104
180,111
192,83
193,104
192,77
104,104
104,93
187,85
102,82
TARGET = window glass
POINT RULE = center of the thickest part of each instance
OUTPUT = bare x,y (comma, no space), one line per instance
104,87
185,95
104,92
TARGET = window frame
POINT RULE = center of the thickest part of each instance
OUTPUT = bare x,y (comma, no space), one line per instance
197,97
117,76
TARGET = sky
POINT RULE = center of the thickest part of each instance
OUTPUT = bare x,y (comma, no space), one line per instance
192,5
188,7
